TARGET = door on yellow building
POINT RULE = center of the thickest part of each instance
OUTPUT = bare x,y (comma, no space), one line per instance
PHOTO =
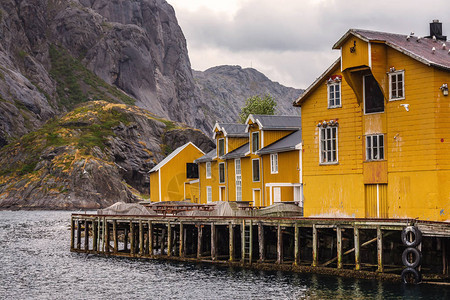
222,194
376,200
257,197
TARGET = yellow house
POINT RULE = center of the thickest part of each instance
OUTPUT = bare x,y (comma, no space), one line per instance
375,139
208,177
168,179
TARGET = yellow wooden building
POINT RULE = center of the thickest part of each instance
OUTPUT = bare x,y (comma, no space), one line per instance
168,179
375,139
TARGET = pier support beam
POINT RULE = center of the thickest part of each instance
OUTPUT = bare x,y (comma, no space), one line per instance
231,241
78,234
141,238
181,248
150,238
380,249
339,247
314,246
94,235
86,235
213,242
169,239
357,247
106,233
115,241
72,233
261,242
132,246
296,245
279,245
199,240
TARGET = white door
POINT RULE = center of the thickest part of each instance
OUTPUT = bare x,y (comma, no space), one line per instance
277,194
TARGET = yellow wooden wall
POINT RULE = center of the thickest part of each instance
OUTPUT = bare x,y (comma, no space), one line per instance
154,186
271,136
212,182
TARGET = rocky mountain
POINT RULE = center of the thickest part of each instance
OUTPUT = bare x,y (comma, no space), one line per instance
92,157
225,88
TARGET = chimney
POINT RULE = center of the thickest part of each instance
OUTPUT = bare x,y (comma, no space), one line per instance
436,30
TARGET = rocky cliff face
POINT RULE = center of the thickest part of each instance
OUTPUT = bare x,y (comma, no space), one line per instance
225,88
92,157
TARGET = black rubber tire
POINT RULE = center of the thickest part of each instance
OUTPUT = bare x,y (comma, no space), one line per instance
417,278
417,236
417,258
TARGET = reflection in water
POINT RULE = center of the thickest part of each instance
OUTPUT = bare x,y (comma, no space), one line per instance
36,264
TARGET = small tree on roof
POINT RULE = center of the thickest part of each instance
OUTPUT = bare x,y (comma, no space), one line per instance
257,105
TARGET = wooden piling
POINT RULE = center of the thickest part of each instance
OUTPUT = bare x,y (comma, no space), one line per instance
243,241
132,246
357,247
141,238
94,235
150,238
125,239
380,249
162,240
339,247
213,242
296,245
78,235
199,240
279,245
107,240
181,248
72,233
86,235
169,239
115,240
250,246
261,242
314,246
231,242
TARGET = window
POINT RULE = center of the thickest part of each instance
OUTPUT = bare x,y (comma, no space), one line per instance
373,97
334,94
397,85
375,147
274,163
221,147
255,168
328,145
208,194
255,142
222,173
237,167
208,170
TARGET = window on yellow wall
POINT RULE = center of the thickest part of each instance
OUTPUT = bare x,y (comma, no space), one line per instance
334,94
255,168
221,172
208,194
397,85
274,163
255,142
375,147
221,147
328,145
373,96
208,169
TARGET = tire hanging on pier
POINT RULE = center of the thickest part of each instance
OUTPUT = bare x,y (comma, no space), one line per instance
416,257
417,236
410,275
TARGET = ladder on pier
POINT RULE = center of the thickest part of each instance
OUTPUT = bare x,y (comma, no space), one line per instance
247,241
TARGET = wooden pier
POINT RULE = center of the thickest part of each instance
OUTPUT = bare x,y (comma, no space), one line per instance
363,248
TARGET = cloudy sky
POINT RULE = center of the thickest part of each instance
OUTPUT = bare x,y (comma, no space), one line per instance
290,40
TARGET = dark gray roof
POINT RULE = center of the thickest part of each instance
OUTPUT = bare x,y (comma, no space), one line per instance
269,122
287,143
238,152
419,50
233,129
207,157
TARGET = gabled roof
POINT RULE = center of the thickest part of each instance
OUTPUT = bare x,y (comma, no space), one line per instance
172,155
288,143
270,122
238,152
230,129
207,157
419,50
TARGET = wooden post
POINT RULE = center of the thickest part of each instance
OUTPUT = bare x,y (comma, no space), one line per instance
150,238
86,235
250,246
141,238
199,240
132,246
107,240
99,234
380,249
339,247
94,235
231,241
162,239
357,247
72,233
181,252
169,239
78,234
116,242
243,241
296,245
279,245
213,242
314,246
125,239
261,242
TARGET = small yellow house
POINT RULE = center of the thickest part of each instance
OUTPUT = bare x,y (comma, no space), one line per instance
375,139
168,179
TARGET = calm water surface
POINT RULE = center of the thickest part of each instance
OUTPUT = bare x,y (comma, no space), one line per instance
35,263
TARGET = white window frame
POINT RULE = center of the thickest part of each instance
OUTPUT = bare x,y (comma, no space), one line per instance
208,170
370,149
254,149
218,147
328,161
253,171
238,181
333,85
395,74
274,163
208,194
223,164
